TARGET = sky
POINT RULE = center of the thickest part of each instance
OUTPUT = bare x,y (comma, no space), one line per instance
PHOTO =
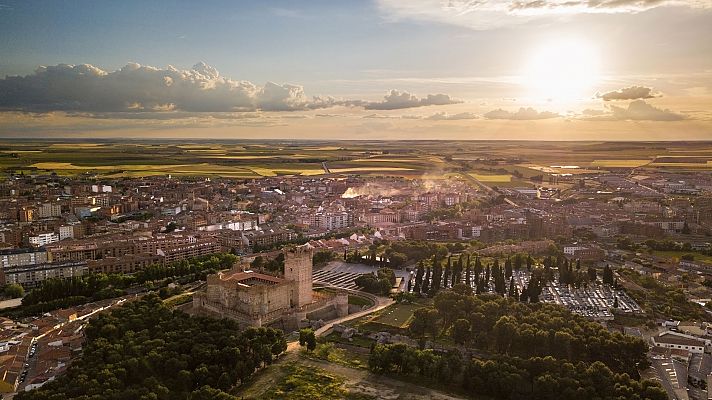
381,69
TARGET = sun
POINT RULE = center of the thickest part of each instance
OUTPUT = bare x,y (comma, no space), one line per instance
562,70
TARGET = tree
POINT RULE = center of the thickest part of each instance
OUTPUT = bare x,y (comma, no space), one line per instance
460,331
14,291
171,226
437,276
607,275
592,275
307,338
404,297
381,283
468,272
426,281
144,350
397,260
518,260
448,272
258,263
511,287
322,257
424,322
462,288
688,257
419,277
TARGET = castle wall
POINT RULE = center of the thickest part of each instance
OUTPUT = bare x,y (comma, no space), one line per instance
260,299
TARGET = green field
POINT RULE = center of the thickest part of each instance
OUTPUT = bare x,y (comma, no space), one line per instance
677,255
397,315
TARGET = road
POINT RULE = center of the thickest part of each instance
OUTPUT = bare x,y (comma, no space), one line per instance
381,303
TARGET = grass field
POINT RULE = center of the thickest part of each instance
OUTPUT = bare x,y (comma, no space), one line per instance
397,315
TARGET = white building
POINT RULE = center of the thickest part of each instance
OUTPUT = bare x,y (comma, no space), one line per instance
66,232
331,220
43,239
671,341
101,189
571,250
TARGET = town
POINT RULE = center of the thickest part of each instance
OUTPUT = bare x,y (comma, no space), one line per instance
602,244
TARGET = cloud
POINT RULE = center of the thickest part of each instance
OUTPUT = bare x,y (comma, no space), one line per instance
139,88
593,113
637,110
485,14
396,100
521,115
379,116
595,6
629,93
443,116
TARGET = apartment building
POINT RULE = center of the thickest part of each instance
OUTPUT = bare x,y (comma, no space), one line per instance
30,276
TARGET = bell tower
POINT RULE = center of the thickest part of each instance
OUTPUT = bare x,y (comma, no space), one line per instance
298,268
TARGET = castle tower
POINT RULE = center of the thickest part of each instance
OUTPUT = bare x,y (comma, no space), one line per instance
298,268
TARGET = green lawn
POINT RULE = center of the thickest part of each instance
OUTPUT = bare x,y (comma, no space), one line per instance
397,315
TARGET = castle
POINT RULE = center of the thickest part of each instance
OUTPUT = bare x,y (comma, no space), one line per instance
256,299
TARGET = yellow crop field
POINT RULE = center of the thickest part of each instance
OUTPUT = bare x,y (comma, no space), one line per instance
682,165
148,169
492,178
286,171
396,160
619,163
368,169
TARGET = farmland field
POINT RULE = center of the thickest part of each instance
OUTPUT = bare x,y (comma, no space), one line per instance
492,178
507,164
619,163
